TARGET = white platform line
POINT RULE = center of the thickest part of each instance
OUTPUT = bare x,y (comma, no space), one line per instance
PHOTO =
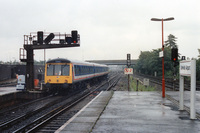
70,120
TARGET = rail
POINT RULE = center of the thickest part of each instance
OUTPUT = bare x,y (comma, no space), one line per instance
41,121
34,123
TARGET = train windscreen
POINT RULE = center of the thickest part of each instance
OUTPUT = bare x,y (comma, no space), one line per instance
57,70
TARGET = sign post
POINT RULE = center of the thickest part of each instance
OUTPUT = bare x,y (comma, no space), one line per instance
128,71
128,65
188,68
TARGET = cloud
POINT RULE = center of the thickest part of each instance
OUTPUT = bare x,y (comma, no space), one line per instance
108,29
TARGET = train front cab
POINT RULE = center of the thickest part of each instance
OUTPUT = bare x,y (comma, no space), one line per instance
58,75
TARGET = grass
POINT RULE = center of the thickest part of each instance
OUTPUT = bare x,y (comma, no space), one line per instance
141,87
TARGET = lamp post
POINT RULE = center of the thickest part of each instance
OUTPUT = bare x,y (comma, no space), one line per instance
163,74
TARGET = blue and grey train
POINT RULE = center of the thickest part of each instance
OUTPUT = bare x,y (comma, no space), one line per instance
62,73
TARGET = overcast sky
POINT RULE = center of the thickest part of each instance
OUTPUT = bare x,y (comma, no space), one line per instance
109,29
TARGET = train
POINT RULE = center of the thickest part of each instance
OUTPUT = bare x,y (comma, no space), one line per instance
64,73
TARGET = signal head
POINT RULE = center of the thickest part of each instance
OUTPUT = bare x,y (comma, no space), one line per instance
174,54
74,35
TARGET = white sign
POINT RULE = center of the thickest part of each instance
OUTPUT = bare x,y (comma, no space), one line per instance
161,54
128,70
146,81
185,68
188,68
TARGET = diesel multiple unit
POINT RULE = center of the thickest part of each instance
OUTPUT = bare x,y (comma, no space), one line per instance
60,73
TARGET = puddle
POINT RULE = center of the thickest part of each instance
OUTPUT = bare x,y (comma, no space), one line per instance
184,118
172,107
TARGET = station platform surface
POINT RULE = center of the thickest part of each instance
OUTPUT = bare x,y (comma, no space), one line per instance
186,98
7,90
124,112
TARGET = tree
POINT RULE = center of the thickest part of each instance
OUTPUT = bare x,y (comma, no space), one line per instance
149,62
171,42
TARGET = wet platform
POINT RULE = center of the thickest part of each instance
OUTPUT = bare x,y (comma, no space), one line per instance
7,90
123,112
175,95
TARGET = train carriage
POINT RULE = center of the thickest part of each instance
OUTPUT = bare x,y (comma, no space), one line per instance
60,73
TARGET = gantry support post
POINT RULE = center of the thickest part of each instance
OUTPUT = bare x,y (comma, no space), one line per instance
29,70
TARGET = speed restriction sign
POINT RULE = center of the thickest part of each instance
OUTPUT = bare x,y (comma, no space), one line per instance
128,70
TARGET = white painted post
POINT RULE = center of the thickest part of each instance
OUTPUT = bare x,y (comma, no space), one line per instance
193,90
181,92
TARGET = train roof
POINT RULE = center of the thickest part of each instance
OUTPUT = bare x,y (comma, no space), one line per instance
62,60
59,60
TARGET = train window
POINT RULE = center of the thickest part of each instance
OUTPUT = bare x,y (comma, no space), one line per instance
87,70
54,70
57,70
65,70
50,70
82,70
77,72
75,69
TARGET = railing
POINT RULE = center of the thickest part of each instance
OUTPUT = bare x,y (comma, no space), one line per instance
22,54
30,39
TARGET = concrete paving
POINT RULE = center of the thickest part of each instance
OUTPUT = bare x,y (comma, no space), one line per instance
85,119
7,90
145,112
175,95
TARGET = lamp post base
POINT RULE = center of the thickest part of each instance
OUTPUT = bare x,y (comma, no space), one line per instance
163,88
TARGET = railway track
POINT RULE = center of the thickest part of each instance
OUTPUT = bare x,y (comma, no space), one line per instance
3,111
16,117
113,81
45,117
72,109
169,83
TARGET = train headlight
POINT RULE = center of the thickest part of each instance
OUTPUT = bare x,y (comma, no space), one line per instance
66,81
49,80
